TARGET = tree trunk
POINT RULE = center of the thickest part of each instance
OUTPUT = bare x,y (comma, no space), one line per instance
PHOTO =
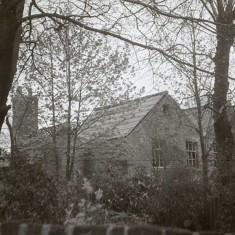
69,133
223,131
11,13
54,132
200,127
14,150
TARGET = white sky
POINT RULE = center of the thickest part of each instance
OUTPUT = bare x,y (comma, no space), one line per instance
164,78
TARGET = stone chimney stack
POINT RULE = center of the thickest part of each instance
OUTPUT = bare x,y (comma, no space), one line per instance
25,114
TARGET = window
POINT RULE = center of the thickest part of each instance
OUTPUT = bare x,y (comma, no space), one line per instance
122,166
158,157
166,108
191,148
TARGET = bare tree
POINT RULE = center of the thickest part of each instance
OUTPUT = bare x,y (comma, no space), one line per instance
153,22
211,17
75,71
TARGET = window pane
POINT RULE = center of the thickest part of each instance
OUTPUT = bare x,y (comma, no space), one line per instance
158,146
191,148
195,146
161,161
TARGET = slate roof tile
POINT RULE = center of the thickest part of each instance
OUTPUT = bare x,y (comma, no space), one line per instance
119,120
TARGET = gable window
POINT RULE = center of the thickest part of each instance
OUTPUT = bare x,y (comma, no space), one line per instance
192,156
122,166
158,156
166,108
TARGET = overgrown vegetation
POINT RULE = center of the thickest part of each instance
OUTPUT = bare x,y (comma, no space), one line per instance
168,198
29,195
173,197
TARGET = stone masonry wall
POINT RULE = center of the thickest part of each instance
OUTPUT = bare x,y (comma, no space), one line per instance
47,229
173,126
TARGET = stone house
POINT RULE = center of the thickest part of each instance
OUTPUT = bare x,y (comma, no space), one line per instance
150,132
208,130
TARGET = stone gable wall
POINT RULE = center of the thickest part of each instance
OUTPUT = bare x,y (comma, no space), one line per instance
170,125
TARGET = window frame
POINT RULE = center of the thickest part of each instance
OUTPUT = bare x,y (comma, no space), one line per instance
166,109
192,154
158,159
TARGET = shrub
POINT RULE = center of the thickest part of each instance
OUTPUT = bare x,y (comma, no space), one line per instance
85,207
178,198
123,193
224,208
29,195
172,198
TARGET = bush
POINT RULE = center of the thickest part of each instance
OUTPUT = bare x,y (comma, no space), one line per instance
178,199
125,194
173,198
224,207
29,195
84,207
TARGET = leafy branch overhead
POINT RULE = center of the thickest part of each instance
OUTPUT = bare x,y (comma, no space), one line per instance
62,20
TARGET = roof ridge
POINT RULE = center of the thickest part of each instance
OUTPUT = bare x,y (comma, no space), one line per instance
164,93
129,101
121,118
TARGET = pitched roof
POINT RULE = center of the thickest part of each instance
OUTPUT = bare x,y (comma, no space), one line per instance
119,120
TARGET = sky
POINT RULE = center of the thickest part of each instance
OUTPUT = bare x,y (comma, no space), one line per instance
145,73
156,76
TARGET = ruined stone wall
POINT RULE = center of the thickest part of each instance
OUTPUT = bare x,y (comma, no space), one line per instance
47,229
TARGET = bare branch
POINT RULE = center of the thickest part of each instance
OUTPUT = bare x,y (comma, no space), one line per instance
105,32
160,12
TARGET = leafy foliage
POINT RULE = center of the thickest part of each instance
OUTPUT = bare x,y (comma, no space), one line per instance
122,193
224,206
178,197
29,195
169,198
83,203
74,72
80,67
